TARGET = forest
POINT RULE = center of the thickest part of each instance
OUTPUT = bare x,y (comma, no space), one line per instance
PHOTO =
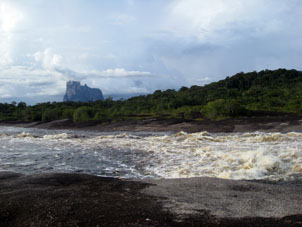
244,94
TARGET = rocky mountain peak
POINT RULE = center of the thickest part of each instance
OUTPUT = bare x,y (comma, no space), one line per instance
77,93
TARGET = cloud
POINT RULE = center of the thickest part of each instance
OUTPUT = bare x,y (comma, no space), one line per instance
48,59
68,29
10,17
224,20
108,73
27,81
121,19
84,56
218,38
204,79
120,72
49,78
121,47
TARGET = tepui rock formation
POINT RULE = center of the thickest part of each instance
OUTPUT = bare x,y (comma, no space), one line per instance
75,92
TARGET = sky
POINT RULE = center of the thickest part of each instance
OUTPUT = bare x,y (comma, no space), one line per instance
127,47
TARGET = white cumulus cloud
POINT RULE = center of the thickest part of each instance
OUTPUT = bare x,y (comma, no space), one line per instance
10,17
48,59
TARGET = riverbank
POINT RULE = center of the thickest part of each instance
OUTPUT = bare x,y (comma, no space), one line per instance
279,123
85,200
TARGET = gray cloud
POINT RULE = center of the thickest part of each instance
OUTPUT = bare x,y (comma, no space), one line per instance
121,47
108,73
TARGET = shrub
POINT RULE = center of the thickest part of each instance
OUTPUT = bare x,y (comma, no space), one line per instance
223,108
50,115
68,113
83,114
31,115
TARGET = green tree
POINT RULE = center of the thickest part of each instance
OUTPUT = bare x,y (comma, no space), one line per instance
50,115
83,114
67,113
223,108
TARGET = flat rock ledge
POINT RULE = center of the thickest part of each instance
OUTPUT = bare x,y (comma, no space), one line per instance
284,123
61,199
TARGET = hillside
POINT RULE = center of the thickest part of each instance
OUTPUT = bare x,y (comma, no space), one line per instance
244,94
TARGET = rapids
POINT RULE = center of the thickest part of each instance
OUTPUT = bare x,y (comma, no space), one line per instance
257,155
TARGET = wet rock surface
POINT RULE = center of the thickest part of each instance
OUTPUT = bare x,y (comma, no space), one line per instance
283,123
85,200
76,200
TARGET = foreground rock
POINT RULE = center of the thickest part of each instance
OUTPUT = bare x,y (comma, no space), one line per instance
84,200
228,198
76,200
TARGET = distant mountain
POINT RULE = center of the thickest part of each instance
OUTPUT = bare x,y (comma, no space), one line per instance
264,93
77,93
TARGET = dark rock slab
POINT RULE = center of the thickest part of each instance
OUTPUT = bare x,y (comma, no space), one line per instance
85,200
229,198
283,124
76,200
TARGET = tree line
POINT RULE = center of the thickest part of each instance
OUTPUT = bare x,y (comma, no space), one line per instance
240,95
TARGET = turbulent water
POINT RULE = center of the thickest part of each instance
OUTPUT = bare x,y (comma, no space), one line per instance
257,155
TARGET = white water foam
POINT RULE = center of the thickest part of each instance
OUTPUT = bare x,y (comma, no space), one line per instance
233,156
256,155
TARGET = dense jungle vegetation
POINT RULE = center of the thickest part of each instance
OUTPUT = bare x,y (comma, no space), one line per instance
240,95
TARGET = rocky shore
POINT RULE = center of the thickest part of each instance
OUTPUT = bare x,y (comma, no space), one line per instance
61,199
278,123
85,200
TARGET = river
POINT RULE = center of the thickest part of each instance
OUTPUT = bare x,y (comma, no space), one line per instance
257,155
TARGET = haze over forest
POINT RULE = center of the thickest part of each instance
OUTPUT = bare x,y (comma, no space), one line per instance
127,47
